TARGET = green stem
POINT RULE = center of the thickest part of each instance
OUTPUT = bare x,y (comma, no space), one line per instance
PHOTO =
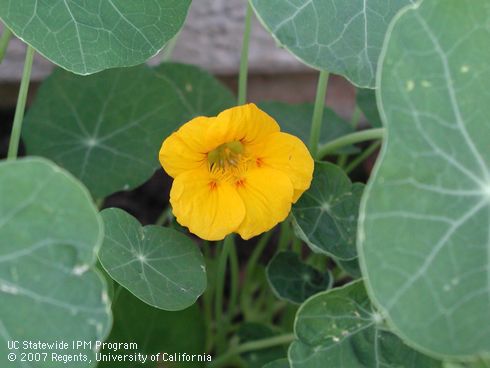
222,360
285,235
220,288
356,117
363,156
342,160
484,363
353,138
165,217
296,246
4,41
207,299
316,123
354,122
250,268
243,77
21,104
277,307
235,284
270,305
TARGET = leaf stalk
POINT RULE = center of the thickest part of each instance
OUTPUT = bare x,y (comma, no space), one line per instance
348,139
317,121
243,76
21,104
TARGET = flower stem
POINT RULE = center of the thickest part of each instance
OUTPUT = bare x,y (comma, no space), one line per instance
21,104
222,360
235,284
249,270
243,76
316,123
165,216
296,246
353,138
208,299
4,41
363,156
285,235
220,288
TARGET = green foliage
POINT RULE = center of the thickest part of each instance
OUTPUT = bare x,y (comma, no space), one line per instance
90,36
155,331
281,363
293,280
366,100
200,93
342,37
296,120
161,266
326,215
423,238
340,328
257,358
50,234
423,229
107,129
480,363
477,364
351,267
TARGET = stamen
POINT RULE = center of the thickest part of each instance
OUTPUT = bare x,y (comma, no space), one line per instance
228,155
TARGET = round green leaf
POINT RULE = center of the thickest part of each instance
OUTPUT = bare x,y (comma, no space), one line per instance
90,36
424,222
339,328
50,233
293,280
156,331
342,37
296,120
326,215
200,93
107,129
161,266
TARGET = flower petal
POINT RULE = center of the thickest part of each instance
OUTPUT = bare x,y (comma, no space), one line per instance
211,209
288,154
267,195
184,149
245,123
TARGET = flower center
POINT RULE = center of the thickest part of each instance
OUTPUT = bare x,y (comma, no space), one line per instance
225,156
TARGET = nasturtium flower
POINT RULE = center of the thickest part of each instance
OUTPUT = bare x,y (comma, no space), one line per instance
236,172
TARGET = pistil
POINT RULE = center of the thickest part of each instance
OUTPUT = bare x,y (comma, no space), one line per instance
226,155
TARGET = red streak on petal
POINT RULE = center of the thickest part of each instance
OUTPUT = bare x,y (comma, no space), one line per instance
240,183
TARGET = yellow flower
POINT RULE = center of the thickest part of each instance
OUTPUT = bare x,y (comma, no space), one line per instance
234,173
